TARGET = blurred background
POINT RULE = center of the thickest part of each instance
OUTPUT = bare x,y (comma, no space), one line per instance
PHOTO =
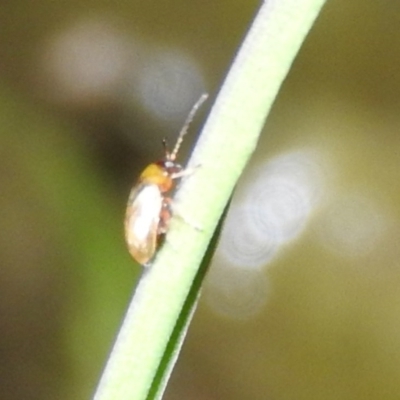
302,300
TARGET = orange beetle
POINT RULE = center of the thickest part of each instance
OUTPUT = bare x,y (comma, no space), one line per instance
148,211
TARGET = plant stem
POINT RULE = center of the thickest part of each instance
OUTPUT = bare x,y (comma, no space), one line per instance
227,142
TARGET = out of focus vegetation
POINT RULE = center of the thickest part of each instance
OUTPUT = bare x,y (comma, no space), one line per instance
309,311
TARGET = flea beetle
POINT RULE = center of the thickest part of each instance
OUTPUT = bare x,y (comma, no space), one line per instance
149,207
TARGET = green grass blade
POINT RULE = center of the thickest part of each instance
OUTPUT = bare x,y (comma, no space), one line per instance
227,142
175,343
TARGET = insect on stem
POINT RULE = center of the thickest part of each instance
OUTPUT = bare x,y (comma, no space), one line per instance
149,206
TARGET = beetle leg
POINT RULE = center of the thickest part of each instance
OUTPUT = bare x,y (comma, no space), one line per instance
165,216
184,172
185,219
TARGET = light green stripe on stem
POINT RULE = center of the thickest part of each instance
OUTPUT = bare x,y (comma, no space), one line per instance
227,141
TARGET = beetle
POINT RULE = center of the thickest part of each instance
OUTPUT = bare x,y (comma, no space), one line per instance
149,206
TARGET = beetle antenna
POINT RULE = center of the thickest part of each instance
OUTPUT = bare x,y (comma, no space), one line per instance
166,151
189,119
